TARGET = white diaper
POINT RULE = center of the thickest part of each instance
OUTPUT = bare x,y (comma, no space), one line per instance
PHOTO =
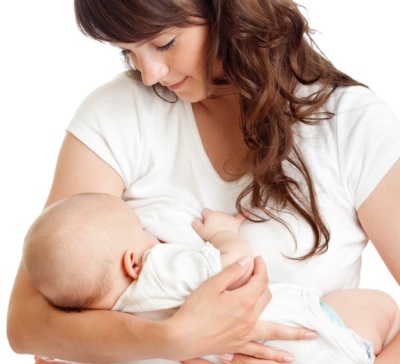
298,306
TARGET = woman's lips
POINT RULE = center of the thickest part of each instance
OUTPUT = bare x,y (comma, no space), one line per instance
176,86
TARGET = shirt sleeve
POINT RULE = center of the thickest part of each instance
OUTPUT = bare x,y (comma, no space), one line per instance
108,122
368,135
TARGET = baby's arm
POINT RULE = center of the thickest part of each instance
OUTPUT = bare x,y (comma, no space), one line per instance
222,231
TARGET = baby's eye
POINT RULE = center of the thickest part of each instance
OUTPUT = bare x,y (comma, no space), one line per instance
167,46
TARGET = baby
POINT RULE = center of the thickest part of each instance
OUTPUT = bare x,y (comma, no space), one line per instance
90,251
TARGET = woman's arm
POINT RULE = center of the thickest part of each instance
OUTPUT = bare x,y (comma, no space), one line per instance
380,216
34,327
80,170
100,336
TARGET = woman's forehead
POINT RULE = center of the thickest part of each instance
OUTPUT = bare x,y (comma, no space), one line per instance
135,21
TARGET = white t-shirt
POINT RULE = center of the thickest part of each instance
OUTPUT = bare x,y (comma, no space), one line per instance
156,148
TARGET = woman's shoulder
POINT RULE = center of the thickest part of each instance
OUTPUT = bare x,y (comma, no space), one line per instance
122,90
353,106
125,100
344,98
354,97
360,108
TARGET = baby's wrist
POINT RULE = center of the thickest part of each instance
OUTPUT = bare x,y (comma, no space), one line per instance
223,232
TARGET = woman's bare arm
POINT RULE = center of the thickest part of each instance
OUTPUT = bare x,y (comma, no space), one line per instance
380,216
34,327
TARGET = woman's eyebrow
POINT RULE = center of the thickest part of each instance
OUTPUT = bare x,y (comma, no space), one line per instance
136,44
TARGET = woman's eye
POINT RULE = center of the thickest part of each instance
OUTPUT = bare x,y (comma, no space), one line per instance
166,46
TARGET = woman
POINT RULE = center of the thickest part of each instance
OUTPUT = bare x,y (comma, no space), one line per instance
263,124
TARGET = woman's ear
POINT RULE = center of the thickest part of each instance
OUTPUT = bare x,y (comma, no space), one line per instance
131,267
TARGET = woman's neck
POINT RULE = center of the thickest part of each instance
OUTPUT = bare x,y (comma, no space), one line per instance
218,123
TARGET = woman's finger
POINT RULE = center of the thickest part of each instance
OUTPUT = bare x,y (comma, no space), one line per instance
230,274
45,360
244,359
254,352
256,289
269,331
196,361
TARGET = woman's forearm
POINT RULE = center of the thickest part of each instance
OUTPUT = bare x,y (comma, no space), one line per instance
34,327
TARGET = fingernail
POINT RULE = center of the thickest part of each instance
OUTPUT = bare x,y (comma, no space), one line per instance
244,261
227,357
288,359
310,335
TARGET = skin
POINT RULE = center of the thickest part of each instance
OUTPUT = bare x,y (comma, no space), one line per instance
174,60
222,231
379,216
132,253
62,333
80,170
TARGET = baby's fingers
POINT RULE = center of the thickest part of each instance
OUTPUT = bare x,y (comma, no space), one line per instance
198,226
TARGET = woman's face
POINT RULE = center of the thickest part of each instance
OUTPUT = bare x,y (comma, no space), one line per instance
175,59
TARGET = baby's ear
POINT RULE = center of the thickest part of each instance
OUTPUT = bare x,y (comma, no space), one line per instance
131,268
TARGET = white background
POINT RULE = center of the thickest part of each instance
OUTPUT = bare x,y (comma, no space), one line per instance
47,67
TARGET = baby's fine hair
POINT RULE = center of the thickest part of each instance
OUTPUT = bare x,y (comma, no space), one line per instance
67,250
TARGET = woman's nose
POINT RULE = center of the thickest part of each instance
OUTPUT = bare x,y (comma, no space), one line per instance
152,70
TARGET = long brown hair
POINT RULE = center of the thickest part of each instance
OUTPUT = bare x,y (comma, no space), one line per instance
267,53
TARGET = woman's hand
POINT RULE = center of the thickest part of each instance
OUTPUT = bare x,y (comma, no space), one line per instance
224,320
228,320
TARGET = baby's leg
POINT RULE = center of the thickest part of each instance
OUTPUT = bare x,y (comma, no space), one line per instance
372,314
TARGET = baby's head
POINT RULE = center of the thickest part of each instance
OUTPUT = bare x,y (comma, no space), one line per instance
84,251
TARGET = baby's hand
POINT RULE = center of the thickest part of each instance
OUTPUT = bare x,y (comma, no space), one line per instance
216,221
